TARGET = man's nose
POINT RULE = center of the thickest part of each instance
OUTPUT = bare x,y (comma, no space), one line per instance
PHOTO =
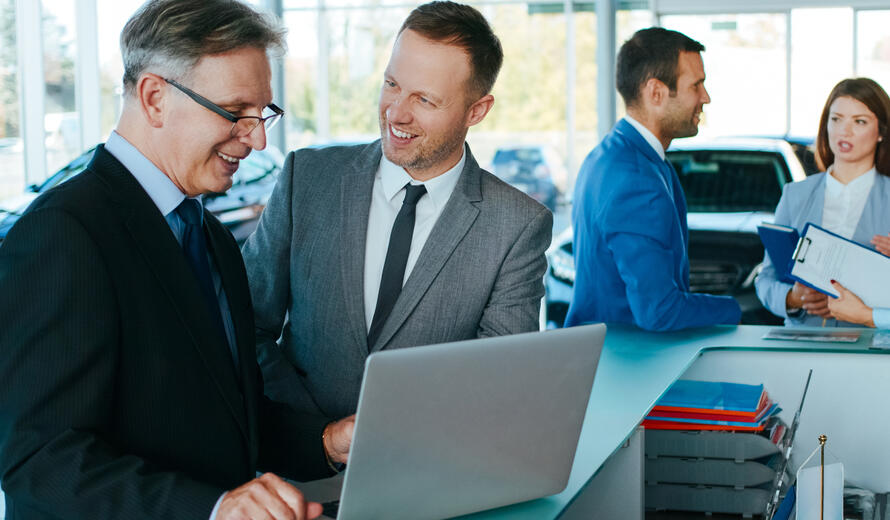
256,138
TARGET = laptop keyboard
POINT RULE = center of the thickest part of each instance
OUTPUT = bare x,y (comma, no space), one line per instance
331,508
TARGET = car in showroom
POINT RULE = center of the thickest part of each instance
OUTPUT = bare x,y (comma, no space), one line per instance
239,208
536,170
731,186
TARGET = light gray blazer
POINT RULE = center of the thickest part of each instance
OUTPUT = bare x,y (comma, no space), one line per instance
802,202
480,273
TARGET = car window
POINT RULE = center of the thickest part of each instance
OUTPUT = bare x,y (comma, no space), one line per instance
728,180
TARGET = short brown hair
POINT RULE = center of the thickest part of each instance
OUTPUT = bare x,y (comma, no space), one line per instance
868,92
651,53
171,36
465,27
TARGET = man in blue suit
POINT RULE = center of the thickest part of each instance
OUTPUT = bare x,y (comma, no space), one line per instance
630,212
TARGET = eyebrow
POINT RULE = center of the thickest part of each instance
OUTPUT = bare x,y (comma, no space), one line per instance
854,115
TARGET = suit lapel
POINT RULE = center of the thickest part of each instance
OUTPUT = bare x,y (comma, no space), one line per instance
233,277
455,221
811,210
153,238
356,187
873,220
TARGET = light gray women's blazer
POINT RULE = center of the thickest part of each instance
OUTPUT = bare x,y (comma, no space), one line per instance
479,274
802,202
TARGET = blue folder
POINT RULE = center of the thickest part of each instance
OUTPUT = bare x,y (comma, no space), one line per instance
711,395
780,243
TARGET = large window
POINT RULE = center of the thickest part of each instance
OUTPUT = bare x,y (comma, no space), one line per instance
873,46
12,173
821,56
62,123
112,15
745,67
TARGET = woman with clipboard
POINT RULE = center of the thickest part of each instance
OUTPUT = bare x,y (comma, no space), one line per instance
851,198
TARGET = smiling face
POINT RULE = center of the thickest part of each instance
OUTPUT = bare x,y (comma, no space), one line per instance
684,106
424,110
199,153
852,133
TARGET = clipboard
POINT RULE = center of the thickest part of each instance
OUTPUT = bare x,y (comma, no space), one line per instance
822,256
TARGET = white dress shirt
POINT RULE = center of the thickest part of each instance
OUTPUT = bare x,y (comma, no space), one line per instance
647,135
844,203
386,201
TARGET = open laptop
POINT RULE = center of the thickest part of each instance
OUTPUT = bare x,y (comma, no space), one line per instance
450,429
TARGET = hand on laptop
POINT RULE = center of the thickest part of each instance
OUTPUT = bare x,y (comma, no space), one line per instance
338,438
267,498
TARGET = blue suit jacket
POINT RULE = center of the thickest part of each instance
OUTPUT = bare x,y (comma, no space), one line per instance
802,202
631,240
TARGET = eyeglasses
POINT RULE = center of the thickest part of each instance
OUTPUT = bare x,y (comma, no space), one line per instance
241,125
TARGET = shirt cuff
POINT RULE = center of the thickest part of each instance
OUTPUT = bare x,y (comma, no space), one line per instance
881,317
216,507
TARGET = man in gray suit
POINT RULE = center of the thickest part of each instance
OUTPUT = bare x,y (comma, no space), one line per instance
401,242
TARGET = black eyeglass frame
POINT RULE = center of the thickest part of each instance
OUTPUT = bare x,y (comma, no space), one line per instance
232,118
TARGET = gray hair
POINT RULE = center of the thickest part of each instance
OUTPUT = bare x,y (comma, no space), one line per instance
169,37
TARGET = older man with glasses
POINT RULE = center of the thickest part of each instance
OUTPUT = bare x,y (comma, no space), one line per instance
127,354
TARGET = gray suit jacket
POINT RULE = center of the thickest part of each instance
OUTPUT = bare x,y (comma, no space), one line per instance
802,202
479,274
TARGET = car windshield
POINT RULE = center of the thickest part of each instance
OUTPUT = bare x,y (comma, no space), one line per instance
730,180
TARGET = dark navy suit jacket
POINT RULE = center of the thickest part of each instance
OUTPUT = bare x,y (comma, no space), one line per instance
630,242
118,399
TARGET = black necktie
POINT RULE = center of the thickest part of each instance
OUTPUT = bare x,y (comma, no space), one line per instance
396,260
195,247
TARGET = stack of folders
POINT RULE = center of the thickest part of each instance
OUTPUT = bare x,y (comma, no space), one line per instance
706,405
713,447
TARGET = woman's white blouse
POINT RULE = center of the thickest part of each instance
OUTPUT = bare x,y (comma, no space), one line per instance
844,202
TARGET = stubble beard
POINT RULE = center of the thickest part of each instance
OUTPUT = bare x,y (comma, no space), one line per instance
423,156
678,125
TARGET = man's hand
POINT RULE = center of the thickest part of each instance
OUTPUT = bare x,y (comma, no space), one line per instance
338,438
267,498
811,300
848,307
882,244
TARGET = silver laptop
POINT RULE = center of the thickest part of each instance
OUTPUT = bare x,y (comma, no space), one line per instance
450,429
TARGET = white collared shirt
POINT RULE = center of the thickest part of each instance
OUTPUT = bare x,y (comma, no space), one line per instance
386,201
647,135
844,203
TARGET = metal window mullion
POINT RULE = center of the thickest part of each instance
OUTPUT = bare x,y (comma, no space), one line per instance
855,42
605,73
322,85
570,89
278,135
87,90
788,76
29,30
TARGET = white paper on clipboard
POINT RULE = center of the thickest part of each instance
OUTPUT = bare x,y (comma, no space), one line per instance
822,256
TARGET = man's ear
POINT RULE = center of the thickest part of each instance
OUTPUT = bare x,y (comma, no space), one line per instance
654,92
151,94
478,110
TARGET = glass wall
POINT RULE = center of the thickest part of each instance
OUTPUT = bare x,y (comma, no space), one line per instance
62,123
339,48
873,46
821,56
745,66
112,16
12,174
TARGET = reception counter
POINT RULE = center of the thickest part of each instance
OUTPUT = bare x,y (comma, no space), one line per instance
846,401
